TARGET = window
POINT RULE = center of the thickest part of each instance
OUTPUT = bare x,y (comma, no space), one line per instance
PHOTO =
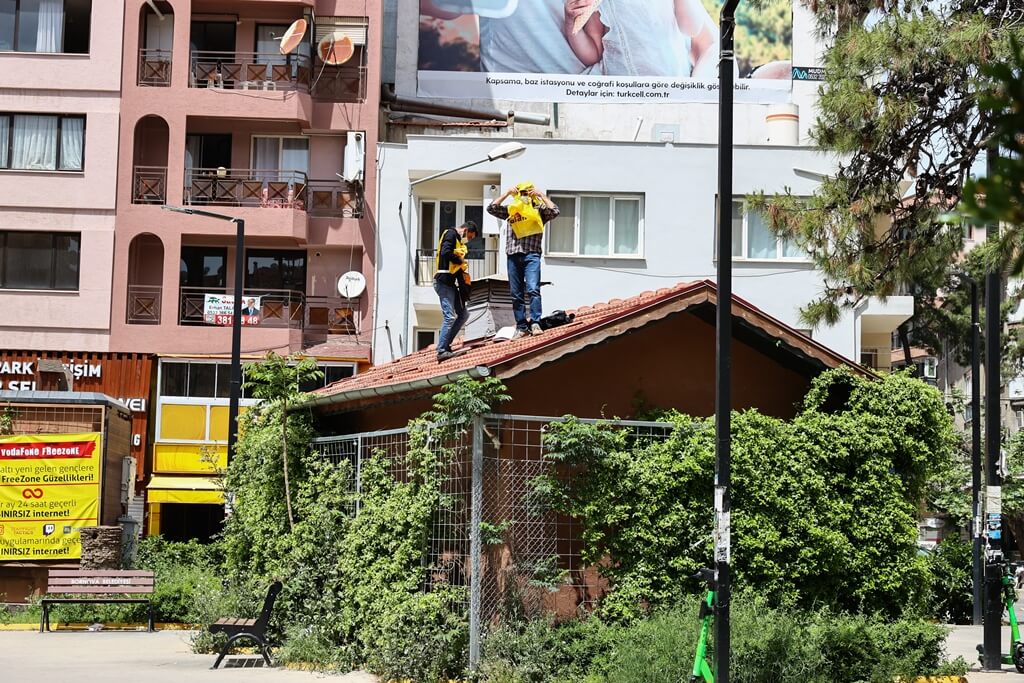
597,225
39,260
193,379
47,142
60,26
930,368
332,373
203,267
753,239
424,338
275,269
272,155
1019,413
869,358
437,215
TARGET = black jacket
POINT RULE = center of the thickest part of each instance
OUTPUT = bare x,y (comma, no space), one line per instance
446,257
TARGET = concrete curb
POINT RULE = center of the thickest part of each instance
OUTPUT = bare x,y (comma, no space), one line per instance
106,627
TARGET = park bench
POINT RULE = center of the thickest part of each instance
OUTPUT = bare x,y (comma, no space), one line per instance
96,586
237,628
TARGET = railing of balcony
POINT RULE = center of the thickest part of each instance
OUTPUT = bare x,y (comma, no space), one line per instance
143,305
332,315
282,308
246,187
335,198
149,185
482,262
155,67
341,84
250,71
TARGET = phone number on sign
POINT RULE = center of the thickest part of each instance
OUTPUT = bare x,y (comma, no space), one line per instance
219,319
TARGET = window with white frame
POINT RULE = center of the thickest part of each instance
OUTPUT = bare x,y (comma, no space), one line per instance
597,225
424,337
753,239
42,142
440,214
930,368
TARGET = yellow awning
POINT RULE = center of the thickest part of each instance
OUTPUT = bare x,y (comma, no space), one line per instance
164,489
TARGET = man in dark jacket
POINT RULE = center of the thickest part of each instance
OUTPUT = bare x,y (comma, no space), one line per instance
451,283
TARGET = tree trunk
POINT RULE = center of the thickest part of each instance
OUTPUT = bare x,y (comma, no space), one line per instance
905,343
284,458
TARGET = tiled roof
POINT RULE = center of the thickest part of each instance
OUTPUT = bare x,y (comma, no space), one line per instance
423,365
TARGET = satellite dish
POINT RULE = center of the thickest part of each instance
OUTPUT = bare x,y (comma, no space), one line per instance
293,36
335,48
351,284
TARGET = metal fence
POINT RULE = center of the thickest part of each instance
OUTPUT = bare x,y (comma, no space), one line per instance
514,555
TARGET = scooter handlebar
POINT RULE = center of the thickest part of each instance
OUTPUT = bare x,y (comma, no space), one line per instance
705,574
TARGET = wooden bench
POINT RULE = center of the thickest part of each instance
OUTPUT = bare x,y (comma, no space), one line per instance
237,628
102,586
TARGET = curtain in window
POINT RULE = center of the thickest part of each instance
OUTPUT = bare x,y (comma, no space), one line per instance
5,131
72,140
761,242
266,155
737,229
595,219
50,30
562,230
295,154
35,143
627,226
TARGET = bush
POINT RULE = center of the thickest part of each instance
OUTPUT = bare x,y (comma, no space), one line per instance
950,567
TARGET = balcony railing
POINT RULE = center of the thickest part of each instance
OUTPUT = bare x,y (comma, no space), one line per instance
143,305
246,187
155,67
149,185
335,198
482,262
249,71
341,84
279,308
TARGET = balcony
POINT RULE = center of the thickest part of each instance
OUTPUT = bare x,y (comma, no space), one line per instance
250,71
261,188
341,84
335,198
143,304
482,262
155,68
149,185
280,308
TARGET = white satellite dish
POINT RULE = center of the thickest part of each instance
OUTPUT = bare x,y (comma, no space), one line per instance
351,284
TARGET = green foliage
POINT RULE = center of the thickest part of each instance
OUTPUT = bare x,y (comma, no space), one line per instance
769,645
824,506
950,567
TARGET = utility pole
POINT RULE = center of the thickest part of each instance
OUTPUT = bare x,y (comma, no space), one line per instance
723,343
978,567
992,658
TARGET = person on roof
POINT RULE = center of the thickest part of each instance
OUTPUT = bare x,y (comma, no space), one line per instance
526,216
451,283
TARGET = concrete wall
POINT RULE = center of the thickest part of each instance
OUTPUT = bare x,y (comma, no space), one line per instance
678,183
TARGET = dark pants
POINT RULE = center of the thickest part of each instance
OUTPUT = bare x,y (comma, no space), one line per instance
454,313
524,281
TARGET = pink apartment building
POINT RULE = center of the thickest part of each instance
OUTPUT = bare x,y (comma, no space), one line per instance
214,117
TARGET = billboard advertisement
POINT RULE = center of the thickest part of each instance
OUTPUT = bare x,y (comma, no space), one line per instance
599,50
219,309
49,489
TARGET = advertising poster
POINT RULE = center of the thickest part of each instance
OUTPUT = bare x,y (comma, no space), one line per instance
49,490
600,50
219,309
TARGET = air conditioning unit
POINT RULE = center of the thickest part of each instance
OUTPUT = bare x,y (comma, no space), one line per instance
355,156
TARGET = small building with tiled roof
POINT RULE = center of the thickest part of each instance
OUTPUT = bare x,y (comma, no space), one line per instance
652,351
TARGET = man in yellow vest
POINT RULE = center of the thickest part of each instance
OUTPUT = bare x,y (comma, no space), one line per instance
451,283
526,216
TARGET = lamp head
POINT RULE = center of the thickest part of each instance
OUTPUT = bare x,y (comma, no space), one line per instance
508,150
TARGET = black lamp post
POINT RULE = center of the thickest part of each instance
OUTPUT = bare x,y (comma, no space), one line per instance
723,341
236,318
992,658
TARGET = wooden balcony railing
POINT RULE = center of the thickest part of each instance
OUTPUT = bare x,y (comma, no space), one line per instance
335,198
341,84
332,315
246,187
250,71
482,262
155,67
143,305
280,308
149,185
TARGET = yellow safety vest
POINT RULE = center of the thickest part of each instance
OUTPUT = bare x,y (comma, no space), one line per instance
460,250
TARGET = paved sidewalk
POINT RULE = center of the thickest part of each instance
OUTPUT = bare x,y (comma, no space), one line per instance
104,656
962,642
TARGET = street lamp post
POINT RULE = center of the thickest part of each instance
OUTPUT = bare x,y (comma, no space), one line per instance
236,318
508,150
993,480
723,342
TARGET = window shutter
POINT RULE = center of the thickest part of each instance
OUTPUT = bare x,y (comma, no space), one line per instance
354,28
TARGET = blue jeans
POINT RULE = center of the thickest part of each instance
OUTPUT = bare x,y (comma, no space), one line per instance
524,281
454,313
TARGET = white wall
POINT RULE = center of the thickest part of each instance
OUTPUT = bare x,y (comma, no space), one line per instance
679,186
697,122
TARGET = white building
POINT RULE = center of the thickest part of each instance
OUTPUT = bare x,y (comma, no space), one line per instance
636,185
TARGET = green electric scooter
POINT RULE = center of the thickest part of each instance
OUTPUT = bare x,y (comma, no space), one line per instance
702,671
1016,655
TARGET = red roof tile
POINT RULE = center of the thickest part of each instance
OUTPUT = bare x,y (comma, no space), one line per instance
423,365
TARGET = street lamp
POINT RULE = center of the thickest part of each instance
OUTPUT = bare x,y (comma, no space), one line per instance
236,318
508,150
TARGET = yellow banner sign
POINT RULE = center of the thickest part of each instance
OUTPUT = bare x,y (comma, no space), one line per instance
49,489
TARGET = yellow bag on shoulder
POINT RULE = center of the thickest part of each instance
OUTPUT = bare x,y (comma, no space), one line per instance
524,218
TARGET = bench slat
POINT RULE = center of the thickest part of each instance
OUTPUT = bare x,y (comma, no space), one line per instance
127,581
98,572
98,590
97,600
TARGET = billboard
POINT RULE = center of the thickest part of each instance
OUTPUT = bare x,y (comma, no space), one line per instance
49,489
219,309
599,50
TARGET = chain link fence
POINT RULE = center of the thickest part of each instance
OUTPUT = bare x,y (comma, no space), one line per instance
517,557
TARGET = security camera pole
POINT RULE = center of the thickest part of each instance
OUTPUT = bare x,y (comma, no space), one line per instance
723,342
